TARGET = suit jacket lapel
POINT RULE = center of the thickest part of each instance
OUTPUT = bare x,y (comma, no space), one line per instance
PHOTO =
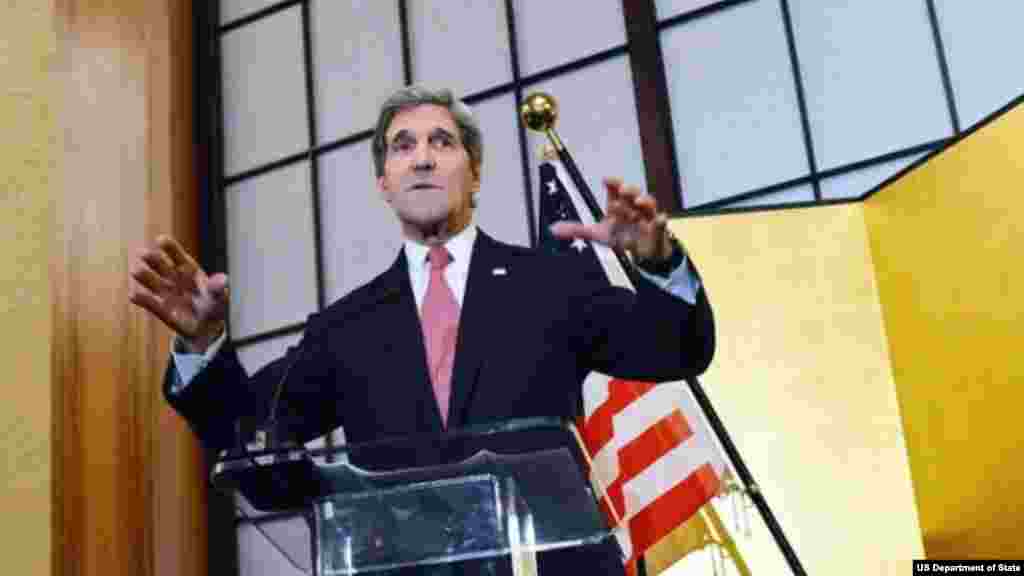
476,318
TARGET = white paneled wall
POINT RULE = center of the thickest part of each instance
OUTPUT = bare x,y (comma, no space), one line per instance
460,44
734,106
501,204
869,69
554,33
263,75
872,78
360,234
270,251
357,55
983,47
231,10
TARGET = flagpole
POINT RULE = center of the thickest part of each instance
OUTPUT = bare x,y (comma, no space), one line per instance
539,112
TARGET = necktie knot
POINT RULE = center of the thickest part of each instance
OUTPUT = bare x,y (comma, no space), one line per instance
439,257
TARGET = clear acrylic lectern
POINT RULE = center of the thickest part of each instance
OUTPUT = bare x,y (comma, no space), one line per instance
509,489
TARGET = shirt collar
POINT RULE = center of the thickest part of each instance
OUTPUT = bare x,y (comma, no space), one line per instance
459,246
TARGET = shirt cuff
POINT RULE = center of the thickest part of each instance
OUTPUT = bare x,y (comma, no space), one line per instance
187,364
681,282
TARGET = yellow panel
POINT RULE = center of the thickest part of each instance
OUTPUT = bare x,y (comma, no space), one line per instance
26,154
801,379
948,249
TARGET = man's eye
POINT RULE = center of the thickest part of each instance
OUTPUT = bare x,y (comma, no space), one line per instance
443,141
402,145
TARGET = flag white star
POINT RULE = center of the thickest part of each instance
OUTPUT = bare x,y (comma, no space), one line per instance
552,187
579,245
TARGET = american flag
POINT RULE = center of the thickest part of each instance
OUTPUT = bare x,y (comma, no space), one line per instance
653,458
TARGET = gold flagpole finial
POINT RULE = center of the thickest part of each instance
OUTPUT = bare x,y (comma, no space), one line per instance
539,112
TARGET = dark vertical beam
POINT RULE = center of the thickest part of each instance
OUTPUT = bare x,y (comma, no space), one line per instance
314,163
524,148
650,86
801,100
208,120
940,52
403,25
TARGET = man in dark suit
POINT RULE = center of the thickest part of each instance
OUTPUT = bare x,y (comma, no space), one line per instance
460,330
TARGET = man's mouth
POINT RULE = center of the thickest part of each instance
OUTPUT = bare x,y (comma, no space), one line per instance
424,186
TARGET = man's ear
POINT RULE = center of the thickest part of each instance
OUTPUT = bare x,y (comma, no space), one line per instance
382,190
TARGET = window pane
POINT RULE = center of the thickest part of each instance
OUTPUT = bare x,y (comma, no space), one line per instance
357,54
264,92
234,9
734,111
669,8
460,44
360,232
270,251
501,208
259,354
553,33
802,193
278,548
854,184
871,78
983,47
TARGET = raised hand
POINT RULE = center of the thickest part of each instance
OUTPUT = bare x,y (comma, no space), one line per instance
170,285
631,222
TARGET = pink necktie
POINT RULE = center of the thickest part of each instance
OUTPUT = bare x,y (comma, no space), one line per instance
440,319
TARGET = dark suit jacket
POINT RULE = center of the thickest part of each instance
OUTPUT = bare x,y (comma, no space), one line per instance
527,338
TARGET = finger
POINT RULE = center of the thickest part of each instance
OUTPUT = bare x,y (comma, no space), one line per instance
187,274
145,276
155,305
620,211
629,194
182,260
159,262
177,254
613,186
571,230
647,206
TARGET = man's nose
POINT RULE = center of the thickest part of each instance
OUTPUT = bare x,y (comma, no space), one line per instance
424,159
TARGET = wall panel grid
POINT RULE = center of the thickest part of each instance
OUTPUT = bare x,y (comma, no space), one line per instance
766,98
767,103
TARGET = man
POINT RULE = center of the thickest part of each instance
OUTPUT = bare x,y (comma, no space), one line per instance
460,330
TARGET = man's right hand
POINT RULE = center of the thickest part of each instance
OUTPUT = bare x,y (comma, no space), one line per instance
170,284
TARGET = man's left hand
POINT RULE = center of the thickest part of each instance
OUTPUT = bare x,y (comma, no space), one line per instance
631,222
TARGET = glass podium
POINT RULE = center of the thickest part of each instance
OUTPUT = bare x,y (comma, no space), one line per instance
501,492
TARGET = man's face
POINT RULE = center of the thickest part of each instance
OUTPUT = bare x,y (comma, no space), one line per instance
429,179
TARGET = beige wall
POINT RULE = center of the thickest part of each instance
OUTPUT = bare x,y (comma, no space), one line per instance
801,379
132,487
948,249
27,152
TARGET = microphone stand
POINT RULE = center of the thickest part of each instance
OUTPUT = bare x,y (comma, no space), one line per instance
540,111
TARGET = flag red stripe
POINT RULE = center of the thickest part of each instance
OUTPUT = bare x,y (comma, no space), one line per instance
655,442
598,429
672,508
644,450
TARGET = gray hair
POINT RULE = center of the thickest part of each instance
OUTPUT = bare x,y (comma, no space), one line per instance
412,96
